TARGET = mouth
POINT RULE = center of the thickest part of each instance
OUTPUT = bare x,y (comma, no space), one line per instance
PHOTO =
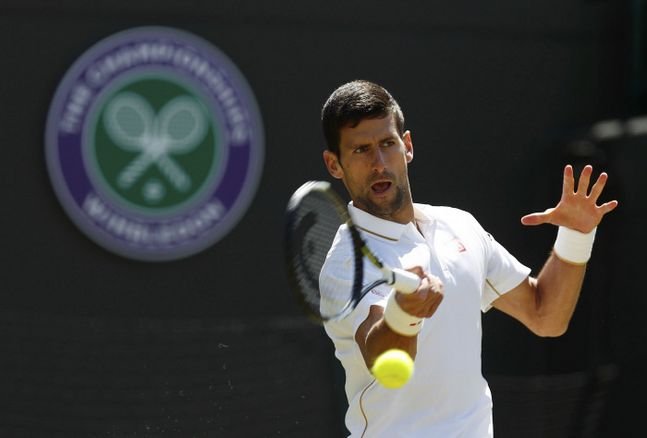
381,187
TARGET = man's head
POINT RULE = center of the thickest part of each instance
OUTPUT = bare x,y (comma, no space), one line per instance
353,102
368,150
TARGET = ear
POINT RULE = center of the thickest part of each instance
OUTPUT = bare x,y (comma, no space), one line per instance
333,165
408,146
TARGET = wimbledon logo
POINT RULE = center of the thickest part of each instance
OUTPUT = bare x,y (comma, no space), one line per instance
154,144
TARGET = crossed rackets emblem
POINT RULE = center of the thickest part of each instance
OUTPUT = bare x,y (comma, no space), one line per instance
178,128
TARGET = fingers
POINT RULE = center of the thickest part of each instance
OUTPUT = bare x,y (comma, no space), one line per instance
568,186
431,292
537,218
418,271
597,188
424,302
532,219
577,209
433,306
436,295
584,180
435,284
608,206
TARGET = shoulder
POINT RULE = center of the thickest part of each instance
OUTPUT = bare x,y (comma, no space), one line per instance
444,213
457,222
341,243
340,254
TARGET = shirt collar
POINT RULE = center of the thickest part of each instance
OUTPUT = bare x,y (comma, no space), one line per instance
382,228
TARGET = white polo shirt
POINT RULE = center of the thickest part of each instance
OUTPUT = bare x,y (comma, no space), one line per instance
447,395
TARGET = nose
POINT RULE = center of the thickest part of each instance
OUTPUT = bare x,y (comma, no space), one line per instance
379,160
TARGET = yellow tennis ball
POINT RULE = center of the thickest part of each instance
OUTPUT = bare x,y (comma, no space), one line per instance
393,368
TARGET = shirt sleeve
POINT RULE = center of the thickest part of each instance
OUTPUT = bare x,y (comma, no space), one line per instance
504,272
375,297
336,282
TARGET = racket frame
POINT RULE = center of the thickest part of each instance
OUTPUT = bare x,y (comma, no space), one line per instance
401,280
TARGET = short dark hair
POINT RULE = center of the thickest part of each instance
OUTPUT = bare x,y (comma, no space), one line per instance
353,102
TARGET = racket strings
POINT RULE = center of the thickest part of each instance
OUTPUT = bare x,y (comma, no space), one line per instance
315,223
315,214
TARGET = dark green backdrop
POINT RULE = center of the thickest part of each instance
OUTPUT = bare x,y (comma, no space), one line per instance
498,96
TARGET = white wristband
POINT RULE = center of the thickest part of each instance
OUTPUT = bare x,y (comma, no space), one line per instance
573,246
400,321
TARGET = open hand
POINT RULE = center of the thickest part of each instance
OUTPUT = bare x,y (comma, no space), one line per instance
577,209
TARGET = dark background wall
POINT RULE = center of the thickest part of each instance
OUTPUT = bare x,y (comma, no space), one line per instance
499,97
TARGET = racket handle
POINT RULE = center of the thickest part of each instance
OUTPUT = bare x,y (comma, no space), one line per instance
404,281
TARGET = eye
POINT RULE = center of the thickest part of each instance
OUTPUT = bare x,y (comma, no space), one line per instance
388,143
360,149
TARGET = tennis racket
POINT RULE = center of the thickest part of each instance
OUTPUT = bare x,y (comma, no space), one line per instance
314,214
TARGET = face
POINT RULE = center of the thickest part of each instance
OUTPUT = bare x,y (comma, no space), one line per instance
372,164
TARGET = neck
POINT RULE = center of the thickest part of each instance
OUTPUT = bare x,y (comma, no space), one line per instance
402,215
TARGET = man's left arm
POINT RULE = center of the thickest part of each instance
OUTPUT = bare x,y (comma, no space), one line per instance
545,304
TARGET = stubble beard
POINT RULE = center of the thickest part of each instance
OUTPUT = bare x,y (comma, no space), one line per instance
388,210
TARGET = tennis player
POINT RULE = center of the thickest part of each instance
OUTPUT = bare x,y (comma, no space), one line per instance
464,272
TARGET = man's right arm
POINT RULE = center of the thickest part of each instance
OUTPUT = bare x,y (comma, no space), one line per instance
374,336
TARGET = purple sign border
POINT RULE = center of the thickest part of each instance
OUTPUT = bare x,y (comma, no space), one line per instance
234,194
